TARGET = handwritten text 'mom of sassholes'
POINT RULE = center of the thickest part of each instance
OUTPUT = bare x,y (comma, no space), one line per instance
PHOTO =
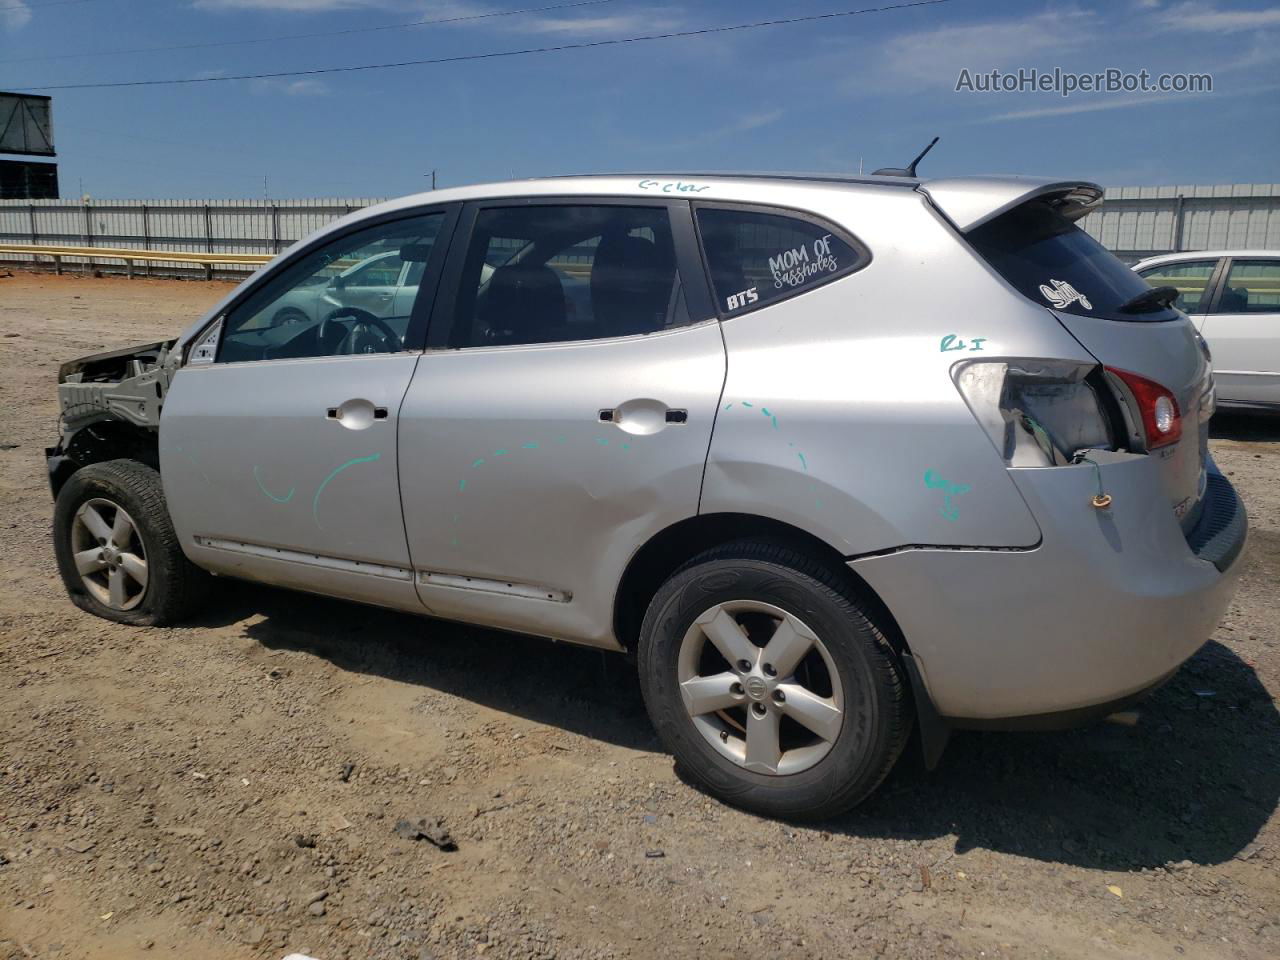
795,266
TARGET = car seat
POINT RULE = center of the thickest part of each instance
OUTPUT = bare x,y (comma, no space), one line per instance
631,285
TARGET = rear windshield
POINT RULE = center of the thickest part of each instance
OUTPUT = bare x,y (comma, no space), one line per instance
1050,260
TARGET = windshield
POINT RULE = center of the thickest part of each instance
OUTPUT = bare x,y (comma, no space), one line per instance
1050,260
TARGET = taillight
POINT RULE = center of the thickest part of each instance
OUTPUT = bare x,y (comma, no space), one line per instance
1157,408
1038,413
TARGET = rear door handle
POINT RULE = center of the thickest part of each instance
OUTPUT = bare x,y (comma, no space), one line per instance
642,416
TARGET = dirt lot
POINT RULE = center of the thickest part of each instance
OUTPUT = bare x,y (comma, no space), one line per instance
230,788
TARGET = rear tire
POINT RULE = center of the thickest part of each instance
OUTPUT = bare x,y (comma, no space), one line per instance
117,550
807,737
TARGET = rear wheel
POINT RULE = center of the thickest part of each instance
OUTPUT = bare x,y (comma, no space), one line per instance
116,548
770,683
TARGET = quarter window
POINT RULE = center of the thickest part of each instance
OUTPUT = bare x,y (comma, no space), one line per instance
1189,278
551,273
346,297
757,258
1253,286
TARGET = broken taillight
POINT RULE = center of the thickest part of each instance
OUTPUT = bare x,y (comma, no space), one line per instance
1156,408
1038,413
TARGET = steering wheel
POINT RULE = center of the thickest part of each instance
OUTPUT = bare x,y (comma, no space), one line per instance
363,318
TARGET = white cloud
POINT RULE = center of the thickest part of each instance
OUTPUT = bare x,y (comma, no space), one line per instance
927,58
1089,106
306,87
753,121
1197,17
725,131
620,24
15,15
301,87
297,6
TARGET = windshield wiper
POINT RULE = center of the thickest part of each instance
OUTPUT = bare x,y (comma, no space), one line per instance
1149,301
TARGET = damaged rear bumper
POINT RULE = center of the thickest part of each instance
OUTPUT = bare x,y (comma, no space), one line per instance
1109,604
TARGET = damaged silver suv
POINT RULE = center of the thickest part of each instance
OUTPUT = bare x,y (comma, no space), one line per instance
832,457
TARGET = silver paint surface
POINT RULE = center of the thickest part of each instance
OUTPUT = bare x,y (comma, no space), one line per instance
833,411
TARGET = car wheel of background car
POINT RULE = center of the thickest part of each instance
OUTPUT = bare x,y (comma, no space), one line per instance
288,315
771,683
116,548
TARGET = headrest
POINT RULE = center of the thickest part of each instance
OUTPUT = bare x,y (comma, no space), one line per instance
522,300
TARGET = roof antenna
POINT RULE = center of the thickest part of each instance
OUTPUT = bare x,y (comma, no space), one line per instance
909,170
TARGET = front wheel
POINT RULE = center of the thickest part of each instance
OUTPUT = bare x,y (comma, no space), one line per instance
117,550
771,684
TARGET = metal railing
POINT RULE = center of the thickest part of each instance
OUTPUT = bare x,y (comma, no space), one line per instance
229,227
89,256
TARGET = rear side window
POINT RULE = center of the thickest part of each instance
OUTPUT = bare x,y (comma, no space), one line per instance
757,258
1051,261
554,274
1189,278
1253,286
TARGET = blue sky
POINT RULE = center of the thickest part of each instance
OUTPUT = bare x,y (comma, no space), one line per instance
818,96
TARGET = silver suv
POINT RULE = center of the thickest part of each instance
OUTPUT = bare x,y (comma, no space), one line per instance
833,458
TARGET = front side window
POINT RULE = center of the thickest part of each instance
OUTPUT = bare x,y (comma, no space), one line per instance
756,258
552,273
1189,277
1253,286
344,298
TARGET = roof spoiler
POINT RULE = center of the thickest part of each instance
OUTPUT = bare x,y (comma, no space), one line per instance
969,202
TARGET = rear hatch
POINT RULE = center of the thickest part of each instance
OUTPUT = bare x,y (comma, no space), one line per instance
1146,346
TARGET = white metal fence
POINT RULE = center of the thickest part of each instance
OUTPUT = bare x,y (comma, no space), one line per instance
1137,222
1134,222
198,226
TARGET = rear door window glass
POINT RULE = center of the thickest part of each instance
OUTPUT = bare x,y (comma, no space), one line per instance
553,273
1253,286
1189,277
758,258
1054,263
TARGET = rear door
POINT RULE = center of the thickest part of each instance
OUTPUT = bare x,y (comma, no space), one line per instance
562,412
1243,331
1051,261
279,457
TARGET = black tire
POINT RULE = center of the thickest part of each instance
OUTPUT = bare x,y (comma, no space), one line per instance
175,586
877,717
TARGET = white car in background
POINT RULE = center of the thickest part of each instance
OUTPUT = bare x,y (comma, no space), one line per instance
1233,296
382,284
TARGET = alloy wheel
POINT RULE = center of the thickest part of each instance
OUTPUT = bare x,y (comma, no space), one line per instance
760,687
109,554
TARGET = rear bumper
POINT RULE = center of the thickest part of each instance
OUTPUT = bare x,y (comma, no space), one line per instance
1107,606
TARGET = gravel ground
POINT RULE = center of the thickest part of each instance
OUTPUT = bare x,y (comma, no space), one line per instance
231,788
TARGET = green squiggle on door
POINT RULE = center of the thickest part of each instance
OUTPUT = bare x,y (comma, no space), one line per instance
261,486
315,501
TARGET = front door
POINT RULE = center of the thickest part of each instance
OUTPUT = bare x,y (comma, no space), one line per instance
279,457
562,412
1243,331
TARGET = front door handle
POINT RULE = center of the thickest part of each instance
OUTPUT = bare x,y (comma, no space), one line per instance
356,414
